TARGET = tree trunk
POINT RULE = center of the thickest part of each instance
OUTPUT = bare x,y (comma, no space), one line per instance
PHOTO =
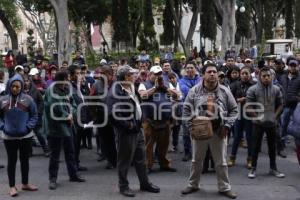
61,13
185,42
260,16
11,31
226,8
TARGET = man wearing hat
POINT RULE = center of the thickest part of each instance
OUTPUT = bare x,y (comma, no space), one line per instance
19,69
291,87
157,110
127,125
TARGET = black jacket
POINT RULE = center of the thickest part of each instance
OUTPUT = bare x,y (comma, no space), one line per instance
117,106
291,90
39,101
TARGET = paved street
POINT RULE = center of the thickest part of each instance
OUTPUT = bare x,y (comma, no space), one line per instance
102,184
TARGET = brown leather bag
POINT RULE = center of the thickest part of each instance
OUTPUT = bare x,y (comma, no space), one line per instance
201,128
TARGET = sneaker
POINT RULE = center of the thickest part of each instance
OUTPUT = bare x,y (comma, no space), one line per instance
231,161
52,185
276,173
187,157
252,173
282,154
189,190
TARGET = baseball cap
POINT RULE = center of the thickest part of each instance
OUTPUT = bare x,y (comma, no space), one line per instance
103,61
155,69
19,67
182,57
125,70
34,71
293,62
248,60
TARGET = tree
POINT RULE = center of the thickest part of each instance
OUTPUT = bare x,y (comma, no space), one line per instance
226,9
11,21
62,19
45,29
185,41
208,20
297,19
268,18
120,21
289,18
167,38
30,44
243,22
147,36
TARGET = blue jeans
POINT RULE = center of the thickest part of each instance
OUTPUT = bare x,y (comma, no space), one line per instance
239,127
186,139
285,119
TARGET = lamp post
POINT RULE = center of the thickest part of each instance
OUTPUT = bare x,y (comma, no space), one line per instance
239,5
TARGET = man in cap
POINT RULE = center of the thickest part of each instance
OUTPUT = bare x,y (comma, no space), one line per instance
291,86
156,117
19,69
127,125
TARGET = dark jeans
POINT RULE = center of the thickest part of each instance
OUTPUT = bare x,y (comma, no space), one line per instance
239,127
38,131
186,139
12,147
257,136
175,135
87,136
78,135
108,144
131,149
55,144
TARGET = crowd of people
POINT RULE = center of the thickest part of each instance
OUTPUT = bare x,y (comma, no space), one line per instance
136,108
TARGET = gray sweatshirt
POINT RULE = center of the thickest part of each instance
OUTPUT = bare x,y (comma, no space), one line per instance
270,98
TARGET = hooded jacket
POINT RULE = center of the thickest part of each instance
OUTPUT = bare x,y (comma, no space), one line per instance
270,97
187,83
18,114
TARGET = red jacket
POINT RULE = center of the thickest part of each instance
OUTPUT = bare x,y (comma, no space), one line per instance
9,62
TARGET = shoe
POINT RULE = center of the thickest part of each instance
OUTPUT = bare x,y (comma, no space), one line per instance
229,194
282,154
81,168
168,169
29,187
252,173
276,173
150,170
249,163
189,190
101,158
13,192
52,185
231,161
127,192
1,166
90,146
187,157
109,166
150,188
77,179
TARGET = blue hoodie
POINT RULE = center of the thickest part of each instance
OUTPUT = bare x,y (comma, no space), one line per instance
18,115
187,83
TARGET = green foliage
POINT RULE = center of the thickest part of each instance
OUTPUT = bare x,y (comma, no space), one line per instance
167,38
120,21
208,20
269,19
92,59
243,21
30,44
297,19
10,10
289,18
